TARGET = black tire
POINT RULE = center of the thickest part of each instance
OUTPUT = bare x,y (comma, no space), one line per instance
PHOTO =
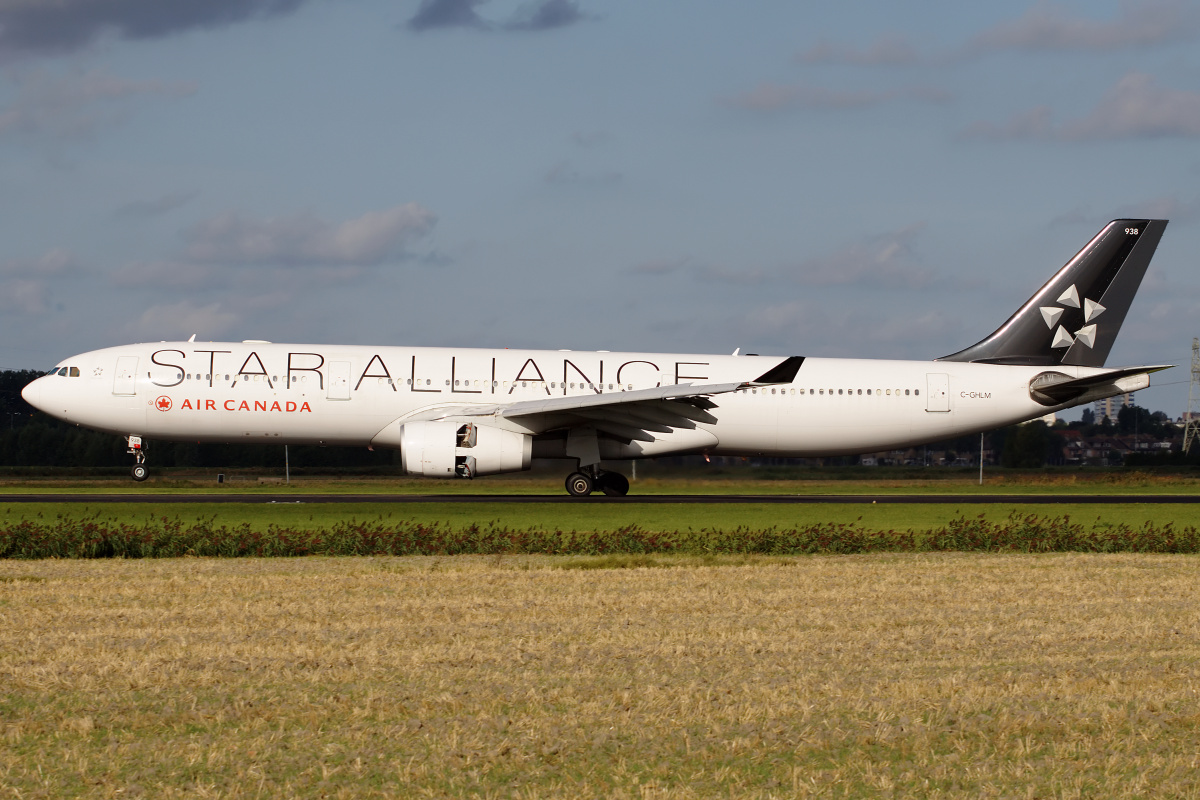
139,472
613,484
580,485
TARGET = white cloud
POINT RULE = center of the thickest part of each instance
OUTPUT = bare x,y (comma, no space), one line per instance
1138,108
55,261
1168,207
165,275
885,260
1049,27
76,104
888,50
27,288
1033,123
771,97
786,325
182,319
24,296
1044,27
156,207
305,239
661,266
1133,108
564,173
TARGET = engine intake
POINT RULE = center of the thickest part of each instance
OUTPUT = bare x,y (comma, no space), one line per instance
443,449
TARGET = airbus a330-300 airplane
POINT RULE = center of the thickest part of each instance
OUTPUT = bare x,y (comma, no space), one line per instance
462,413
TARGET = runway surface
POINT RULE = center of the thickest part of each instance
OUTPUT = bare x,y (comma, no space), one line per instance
690,499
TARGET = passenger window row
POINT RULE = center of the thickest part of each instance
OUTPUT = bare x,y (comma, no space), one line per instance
868,392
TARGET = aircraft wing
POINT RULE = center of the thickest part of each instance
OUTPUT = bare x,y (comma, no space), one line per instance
628,415
632,415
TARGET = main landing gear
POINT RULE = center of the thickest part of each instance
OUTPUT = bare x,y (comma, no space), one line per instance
139,472
590,479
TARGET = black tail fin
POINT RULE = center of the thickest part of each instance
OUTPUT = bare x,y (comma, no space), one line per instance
1075,317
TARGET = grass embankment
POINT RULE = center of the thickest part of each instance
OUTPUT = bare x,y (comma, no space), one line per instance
587,516
892,675
66,537
654,480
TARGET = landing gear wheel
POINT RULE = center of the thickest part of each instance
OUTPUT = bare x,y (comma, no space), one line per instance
613,484
139,472
580,485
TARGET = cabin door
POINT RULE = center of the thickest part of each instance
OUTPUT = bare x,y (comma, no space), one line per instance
125,378
937,391
339,380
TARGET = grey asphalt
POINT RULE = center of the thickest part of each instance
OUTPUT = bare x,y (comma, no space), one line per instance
691,499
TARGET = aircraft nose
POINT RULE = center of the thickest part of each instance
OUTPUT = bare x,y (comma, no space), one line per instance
32,393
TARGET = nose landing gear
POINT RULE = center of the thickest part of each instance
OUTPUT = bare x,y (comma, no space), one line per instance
139,472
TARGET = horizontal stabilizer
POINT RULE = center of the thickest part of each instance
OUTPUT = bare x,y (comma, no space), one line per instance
1055,388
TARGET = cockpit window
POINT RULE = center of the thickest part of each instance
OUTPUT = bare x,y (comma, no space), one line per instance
63,372
74,373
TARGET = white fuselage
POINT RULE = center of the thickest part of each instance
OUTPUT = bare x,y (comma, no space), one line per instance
349,395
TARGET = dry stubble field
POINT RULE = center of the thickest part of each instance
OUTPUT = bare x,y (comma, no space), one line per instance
932,675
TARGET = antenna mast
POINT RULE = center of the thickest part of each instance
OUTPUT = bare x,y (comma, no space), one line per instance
1191,425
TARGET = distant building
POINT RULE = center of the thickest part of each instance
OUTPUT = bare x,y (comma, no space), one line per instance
1111,406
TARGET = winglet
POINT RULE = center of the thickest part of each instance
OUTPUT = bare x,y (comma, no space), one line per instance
783,372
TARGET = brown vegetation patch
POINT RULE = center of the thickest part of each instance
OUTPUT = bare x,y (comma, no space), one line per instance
943,674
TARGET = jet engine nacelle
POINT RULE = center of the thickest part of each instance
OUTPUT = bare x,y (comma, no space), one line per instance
461,450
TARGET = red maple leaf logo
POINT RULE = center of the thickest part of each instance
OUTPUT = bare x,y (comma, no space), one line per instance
163,403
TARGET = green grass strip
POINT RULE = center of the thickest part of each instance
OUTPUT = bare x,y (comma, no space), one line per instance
94,537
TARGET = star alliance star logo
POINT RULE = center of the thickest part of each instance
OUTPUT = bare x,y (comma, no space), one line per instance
1085,335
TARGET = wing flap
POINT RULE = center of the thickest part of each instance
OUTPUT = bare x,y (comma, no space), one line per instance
551,405
630,415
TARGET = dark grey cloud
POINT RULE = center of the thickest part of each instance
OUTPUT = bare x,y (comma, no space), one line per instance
542,15
1136,107
65,25
432,14
546,16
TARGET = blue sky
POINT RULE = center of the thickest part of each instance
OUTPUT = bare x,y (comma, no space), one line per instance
851,179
